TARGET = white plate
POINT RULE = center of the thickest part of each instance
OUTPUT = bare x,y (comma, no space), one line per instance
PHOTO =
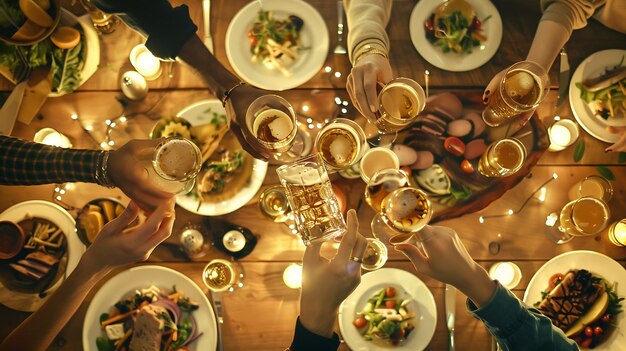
125,284
591,67
450,61
423,306
594,262
196,115
75,248
314,35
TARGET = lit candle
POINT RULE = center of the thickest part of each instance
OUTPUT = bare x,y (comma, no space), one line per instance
617,233
234,241
145,63
292,276
563,133
49,136
507,273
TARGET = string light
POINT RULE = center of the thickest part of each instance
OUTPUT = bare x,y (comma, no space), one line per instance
337,74
305,108
338,100
327,69
542,194
344,110
74,116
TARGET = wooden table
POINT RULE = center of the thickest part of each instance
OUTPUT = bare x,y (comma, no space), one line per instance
261,316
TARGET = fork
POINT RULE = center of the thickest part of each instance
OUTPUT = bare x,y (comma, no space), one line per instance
339,49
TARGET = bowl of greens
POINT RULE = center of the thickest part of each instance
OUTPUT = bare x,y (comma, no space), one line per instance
27,22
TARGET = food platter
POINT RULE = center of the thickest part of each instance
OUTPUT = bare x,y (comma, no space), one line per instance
595,263
53,213
450,61
409,286
314,36
593,66
137,278
245,184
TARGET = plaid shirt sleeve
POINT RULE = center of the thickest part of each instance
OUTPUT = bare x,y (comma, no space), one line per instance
27,163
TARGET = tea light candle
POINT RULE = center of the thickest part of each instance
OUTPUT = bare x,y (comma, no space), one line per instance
49,136
234,241
507,273
617,233
563,133
145,63
134,85
292,276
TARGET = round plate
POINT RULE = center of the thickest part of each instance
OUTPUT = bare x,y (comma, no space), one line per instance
594,262
75,248
451,61
197,114
592,67
410,286
125,284
314,36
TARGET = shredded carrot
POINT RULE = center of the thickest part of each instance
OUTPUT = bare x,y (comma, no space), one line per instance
143,304
168,332
118,317
119,343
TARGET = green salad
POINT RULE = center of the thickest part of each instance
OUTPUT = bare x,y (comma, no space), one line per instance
455,33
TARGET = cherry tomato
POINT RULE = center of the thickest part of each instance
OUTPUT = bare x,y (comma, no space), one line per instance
428,25
359,322
586,343
589,331
476,24
597,331
466,166
606,318
555,279
454,146
390,292
252,38
390,303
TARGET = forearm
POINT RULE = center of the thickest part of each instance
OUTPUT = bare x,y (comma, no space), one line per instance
550,37
305,339
56,312
367,20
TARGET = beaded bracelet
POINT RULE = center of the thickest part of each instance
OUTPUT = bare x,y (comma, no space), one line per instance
230,91
102,174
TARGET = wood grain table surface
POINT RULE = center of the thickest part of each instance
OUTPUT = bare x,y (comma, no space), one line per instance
261,315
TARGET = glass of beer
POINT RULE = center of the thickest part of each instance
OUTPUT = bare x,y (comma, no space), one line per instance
312,200
375,255
584,216
175,163
522,88
502,158
403,213
220,275
271,121
594,186
383,183
341,143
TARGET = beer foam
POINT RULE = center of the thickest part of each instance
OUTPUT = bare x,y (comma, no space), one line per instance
177,158
280,127
341,149
303,175
519,84
403,204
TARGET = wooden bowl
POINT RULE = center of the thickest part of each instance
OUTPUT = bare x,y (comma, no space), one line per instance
54,11
82,235
12,239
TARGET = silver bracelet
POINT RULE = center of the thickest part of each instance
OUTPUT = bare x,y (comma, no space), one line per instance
102,171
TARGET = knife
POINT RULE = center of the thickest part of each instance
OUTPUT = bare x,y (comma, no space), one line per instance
563,78
217,303
206,15
450,300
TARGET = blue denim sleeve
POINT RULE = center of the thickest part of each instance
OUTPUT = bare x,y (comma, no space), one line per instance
167,28
517,326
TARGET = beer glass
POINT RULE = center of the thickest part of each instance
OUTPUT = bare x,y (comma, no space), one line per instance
271,121
174,166
502,158
523,86
341,143
594,186
220,275
312,200
375,255
383,183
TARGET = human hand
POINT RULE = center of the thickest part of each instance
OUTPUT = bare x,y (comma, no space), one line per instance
236,108
326,283
116,246
492,88
363,80
620,145
126,171
443,256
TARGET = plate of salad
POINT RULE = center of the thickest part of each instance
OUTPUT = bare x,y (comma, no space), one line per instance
278,45
456,35
391,308
597,95
149,308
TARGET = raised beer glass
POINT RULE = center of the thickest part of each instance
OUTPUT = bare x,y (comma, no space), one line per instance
502,158
174,166
341,143
522,88
312,200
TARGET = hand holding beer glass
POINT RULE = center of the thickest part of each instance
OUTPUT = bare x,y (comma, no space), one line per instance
341,143
174,166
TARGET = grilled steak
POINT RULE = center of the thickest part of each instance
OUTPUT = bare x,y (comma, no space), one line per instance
42,268
29,272
43,258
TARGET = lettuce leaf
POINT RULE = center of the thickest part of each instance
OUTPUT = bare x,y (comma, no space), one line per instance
12,9
66,66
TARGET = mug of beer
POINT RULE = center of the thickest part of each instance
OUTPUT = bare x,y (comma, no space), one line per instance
400,101
174,166
502,158
523,87
312,200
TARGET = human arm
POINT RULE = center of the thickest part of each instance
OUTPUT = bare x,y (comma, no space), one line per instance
112,248
443,256
320,300
368,47
620,144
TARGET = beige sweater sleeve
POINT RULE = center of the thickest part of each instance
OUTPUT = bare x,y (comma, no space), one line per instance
571,14
367,20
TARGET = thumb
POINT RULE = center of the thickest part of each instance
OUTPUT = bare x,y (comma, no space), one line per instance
125,219
419,260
